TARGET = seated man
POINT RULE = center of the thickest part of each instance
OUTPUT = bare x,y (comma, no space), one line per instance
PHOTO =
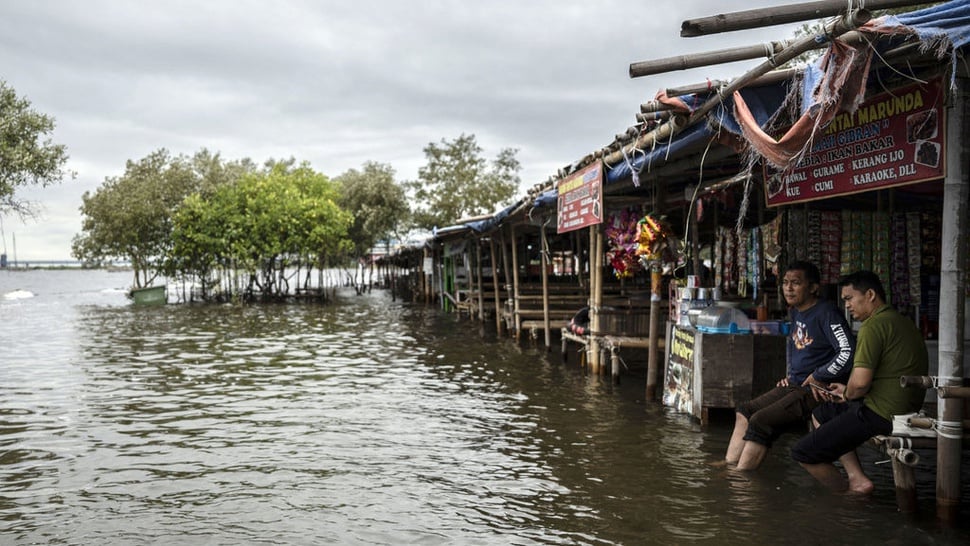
820,351
889,345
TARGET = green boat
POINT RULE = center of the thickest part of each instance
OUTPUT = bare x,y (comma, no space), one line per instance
151,295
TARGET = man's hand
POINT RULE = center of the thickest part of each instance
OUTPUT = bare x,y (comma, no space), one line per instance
834,392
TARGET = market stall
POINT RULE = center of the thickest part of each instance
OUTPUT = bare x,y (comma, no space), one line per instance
717,360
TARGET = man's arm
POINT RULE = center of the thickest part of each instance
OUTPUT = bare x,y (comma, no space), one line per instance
860,380
839,337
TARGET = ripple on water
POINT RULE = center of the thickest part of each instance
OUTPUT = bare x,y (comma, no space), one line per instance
365,422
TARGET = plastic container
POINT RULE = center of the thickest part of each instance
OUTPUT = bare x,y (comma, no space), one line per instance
767,327
723,320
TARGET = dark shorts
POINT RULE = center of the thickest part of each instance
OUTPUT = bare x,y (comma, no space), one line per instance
842,428
780,410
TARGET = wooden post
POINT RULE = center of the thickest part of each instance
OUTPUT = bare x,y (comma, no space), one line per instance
596,296
905,479
515,285
508,273
654,349
495,288
544,263
481,286
956,202
428,276
615,364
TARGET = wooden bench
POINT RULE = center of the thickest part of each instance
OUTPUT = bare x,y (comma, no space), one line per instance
910,433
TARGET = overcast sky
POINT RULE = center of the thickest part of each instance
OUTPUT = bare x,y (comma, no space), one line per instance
336,82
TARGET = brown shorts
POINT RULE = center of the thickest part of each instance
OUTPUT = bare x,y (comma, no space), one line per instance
777,411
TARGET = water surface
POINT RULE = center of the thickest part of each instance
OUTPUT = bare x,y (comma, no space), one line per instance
369,421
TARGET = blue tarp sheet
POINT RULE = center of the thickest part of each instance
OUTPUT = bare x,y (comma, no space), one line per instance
949,21
763,101
482,226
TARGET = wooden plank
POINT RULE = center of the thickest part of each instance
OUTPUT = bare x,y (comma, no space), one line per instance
620,342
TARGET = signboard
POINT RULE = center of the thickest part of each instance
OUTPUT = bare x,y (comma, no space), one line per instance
678,384
580,199
893,139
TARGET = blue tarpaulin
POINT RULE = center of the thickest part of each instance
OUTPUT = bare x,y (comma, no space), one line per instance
763,101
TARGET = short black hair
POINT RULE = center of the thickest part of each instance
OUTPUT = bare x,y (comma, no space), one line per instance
863,281
811,270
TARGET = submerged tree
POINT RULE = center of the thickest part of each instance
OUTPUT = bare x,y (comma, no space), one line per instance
457,182
267,226
129,218
27,154
378,204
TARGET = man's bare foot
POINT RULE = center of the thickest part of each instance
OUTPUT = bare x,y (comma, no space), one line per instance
860,486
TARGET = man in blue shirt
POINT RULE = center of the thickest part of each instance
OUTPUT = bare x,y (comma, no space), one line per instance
820,347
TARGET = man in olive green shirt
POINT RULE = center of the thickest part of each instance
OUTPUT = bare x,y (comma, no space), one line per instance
888,346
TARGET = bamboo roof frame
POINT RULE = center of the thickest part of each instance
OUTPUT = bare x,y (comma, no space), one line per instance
779,15
833,29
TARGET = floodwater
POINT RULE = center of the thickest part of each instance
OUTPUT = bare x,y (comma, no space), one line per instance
367,421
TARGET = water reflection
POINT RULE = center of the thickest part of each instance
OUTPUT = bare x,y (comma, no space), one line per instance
366,422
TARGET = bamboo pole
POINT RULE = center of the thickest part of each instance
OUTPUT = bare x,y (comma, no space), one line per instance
665,131
662,115
777,76
544,263
773,77
481,285
953,392
956,201
427,277
695,60
505,268
596,276
654,349
591,302
780,15
515,284
495,288
833,29
655,106
904,479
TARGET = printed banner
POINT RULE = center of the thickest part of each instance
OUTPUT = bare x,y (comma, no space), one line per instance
893,139
678,391
580,199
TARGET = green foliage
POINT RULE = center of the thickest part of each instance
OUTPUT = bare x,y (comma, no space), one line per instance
266,222
130,217
27,155
378,204
458,182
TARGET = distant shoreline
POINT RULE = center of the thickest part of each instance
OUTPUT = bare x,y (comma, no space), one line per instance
24,265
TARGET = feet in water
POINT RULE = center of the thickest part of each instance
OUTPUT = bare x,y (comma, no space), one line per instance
860,486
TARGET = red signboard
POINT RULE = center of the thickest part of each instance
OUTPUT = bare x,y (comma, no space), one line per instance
580,198
893,139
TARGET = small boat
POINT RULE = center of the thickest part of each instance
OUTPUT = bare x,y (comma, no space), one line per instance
150,295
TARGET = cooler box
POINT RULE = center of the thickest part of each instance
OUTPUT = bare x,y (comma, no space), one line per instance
723,320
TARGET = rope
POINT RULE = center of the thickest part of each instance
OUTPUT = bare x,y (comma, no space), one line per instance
634,175
770,54
949,426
